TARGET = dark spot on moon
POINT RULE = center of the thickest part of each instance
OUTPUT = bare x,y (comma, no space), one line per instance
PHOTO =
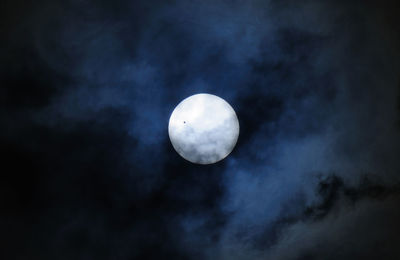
184,122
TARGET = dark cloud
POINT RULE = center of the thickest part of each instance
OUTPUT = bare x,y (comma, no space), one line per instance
349,223
87,89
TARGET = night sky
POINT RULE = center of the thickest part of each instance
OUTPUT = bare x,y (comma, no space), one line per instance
87,168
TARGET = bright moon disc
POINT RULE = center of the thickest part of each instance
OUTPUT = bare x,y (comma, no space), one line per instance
203,128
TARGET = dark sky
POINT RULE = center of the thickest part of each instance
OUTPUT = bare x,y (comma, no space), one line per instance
88,171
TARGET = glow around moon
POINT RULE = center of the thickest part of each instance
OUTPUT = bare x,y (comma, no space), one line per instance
203,128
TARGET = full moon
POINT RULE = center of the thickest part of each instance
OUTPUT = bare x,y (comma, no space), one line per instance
203,129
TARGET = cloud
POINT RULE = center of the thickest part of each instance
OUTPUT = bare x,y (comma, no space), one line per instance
88,90
365,229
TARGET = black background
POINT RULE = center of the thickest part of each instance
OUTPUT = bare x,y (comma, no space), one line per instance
88,172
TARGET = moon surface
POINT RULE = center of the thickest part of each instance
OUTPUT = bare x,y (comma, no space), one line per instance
203,128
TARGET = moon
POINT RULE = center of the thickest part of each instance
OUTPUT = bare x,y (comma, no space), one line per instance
203,128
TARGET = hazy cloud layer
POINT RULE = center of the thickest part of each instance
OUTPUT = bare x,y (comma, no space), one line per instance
89,172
